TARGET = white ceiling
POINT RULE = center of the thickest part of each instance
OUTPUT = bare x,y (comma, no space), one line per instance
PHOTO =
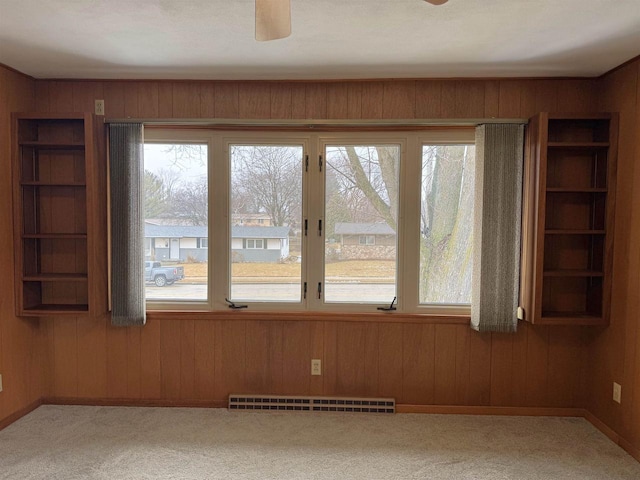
214,39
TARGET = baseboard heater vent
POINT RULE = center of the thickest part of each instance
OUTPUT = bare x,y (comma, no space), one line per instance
312,404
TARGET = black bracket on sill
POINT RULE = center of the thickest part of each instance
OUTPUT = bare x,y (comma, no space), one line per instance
390,308
234,306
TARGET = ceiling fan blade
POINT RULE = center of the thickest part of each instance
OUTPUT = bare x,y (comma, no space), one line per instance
436,2
273,19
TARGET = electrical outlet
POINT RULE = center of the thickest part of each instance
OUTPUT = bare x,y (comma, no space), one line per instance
99,107
316,366
617,392
0,382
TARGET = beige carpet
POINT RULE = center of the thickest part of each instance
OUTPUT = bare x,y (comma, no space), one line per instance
68,442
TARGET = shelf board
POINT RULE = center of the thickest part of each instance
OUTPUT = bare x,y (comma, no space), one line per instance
59,309
574,232
55,277
52,184
576,190
55,236
578,144
570,318
53,145
572,273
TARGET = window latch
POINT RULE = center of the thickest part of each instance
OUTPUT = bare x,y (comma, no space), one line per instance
319,228
320,162
306,226
305,291
306,163
390,308
319,290
234,306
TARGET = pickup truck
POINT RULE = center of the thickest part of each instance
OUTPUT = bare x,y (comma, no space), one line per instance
162,276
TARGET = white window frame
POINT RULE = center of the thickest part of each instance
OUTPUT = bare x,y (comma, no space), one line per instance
312,267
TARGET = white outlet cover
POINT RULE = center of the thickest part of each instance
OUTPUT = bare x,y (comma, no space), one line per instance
617,392
316,366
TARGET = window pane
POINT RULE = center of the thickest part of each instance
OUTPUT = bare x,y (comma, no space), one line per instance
361,214
446,224
266,219
176,218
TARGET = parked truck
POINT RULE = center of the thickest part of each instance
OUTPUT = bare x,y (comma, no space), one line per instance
162,276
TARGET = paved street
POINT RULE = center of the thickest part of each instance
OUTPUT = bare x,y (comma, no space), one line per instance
339,292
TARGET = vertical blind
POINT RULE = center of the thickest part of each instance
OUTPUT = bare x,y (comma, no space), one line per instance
497,227
126,144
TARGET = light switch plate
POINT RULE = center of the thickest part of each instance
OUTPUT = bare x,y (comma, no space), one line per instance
0,382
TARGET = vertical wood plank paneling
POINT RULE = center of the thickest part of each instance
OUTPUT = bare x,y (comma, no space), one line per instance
510,92
255,100
186,100
204,359
117,342
60,97
492,99
399,99
207,100
537,365
230,358
316,101
448,100
469,102
114,99
390,360
546,96
519,365
281,101
479,368
132,94
428,97
444,392
150,364
316,341
170,343
462,365
227,100
354,100
297,352
418,363
565,346
134,353
258,358
85,94
576,96
165,98
42,95
372,97
356,363
298,101
149,99
187,359
528,99
338,101
92,357
501,369
66,359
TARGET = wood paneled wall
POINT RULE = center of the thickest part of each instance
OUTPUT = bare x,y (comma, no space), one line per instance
614,352
22,342
204,360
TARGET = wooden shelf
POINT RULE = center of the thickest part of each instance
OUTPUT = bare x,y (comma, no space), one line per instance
53,145
52,184
574,232
575,190
56,309
572,273
55,277
578,144
569,195
56,236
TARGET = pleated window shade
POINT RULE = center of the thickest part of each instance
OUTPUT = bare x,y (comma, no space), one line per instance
497,227
126,146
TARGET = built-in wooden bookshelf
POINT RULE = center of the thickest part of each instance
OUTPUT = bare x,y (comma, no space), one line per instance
53,179
569,192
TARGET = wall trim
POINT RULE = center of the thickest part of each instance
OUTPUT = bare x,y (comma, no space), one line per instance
17,415
132,402
492,410
612,435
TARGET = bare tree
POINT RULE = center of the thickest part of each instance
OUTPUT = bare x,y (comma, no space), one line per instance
267,179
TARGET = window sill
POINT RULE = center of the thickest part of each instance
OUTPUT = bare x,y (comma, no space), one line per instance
420,318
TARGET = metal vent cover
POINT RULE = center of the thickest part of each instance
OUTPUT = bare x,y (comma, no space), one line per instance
311,404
